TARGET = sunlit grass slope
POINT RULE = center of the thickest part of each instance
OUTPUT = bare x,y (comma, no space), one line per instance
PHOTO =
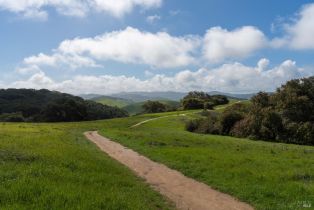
267,175
52,166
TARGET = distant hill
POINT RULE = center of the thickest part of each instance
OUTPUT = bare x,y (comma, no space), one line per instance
89,96
173,96
133,101
51,106
137,108
144,96
112,101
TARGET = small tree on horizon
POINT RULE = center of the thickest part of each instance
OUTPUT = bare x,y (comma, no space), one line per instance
154,107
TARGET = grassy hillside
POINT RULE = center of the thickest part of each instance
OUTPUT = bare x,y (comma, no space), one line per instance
136,108
52,166
112,101
266,175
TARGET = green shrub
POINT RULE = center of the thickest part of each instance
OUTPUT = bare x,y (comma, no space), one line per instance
228,120
12,117
242,128
192,125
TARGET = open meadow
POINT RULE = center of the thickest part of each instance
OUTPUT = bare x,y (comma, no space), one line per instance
48,166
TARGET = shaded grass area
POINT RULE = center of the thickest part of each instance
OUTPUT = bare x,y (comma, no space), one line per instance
269,176
52,166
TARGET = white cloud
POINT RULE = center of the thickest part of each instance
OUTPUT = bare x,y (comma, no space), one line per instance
37,81
158,50
221,44
79,8
152,19
300,33
128,46
56,60
234,77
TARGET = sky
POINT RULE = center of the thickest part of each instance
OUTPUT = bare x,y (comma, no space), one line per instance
111,46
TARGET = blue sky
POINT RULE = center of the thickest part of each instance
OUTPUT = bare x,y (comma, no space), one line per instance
107,46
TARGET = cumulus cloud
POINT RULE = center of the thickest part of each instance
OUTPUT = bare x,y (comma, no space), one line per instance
62,61
234,77
299,33
38,8
158,50
131,45
221,44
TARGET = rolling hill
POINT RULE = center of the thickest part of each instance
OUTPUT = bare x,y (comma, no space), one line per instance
144,96
113,101
136,108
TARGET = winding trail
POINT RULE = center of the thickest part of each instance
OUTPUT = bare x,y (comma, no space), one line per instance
176,115
156,118
146,121
186,193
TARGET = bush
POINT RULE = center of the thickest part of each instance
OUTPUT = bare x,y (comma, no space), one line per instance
12,117
242,128
192,125
203,125
300,133
228,120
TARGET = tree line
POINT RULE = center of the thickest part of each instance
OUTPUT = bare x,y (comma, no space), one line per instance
28,105
193,100
284,116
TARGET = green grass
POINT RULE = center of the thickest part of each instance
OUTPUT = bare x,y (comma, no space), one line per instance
52,166
269,176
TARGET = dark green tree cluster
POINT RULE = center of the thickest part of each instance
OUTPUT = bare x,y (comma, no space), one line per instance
202,100
154,107
285,116
18,105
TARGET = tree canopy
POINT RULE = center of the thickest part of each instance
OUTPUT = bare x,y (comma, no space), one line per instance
202,100
154,107
284,116
51,106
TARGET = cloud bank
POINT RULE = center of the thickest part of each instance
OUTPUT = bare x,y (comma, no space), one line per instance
131,46
79,8
234,77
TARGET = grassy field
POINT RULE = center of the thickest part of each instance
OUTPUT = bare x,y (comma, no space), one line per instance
267,175
54,167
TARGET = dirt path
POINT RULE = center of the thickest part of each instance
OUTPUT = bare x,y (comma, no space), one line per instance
145,121
156,118
185,192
